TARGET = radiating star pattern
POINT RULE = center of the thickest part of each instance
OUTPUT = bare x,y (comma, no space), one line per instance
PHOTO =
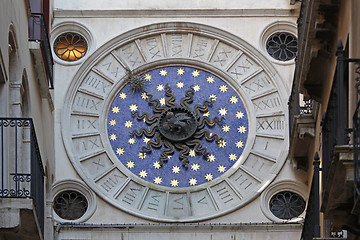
222,156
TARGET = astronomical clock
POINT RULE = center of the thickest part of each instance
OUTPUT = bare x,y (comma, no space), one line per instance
176,122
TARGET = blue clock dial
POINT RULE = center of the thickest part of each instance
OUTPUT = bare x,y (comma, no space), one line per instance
177,126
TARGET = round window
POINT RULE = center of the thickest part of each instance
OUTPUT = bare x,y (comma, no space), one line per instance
70,46
287,205
282,46
70,205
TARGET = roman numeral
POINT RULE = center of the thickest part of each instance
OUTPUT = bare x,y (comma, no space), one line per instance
131,195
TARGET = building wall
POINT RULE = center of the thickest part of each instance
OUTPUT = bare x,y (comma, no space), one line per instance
249,21
20,95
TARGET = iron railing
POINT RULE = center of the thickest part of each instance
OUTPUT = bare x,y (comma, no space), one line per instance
298,107
307,108
38,32
311,227
356,128
21,170
334,132
335,129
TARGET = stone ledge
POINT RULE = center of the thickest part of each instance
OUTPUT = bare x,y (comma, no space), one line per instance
200,231
18,219
171,13
302,137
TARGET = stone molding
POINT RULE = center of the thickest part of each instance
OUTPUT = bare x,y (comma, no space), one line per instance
281,186
172,13
274,27
72,184
76,27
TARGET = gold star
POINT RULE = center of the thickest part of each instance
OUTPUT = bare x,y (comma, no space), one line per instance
180,71
112,122
195,73
226,128
232,157
196,88
162,101
175,169
192,153
122,95
113,137
210,79
239,115
115,109
223,88
221,168
160,87
133,107
143,173
128,124
211,158
180,84
144,96
147,77
163,72
239,144
120,151
222,144
206,114
131,141
130,164
174,183
142,155
146,140
195,167
156,165
242,129
192,181
212,97
209,177
157,180
234,99
222,111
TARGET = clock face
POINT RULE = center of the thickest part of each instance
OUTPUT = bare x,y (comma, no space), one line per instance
176,124
185,127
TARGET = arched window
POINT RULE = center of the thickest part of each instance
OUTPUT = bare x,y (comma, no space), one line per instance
24,95
3,89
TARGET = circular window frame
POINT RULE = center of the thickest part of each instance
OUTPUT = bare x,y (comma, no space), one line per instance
273,28
75,202
76,28
290,186
75,185
70,44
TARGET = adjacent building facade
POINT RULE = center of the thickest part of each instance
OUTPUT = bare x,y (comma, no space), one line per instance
26,121
327,74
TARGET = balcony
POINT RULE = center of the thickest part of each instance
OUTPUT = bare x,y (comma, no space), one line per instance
41,52
302,135
21,181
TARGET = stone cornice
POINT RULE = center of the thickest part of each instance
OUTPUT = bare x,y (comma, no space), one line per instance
175,13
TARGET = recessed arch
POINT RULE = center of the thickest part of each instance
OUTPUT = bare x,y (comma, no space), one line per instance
13,56
25,95
13,46
3,88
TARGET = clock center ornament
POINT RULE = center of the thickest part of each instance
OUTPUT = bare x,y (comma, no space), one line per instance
177,124
181,126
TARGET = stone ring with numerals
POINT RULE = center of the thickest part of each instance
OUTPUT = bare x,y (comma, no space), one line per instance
179,122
